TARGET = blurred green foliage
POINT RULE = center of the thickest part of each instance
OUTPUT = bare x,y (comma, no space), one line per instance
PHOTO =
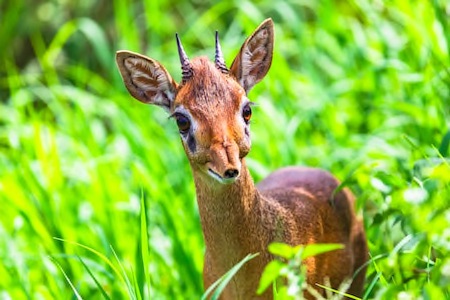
358,87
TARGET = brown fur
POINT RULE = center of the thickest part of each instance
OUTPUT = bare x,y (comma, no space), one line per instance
294,205
241,219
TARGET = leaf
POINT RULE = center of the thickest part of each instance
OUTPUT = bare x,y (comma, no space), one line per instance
445,145
282,250
316,249
270,274
432,291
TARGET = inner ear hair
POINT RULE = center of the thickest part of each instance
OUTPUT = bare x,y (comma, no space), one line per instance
146,79
255,57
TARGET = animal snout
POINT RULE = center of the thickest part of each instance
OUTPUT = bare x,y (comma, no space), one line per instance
231,173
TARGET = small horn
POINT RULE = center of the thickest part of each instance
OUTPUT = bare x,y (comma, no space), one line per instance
186,67
220,62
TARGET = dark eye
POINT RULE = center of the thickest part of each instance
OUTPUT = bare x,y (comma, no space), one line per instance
183,123
247,113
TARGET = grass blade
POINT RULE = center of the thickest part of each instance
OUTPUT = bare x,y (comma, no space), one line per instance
338,292
131,291
97,283
222,282
144,245
98,254
77,295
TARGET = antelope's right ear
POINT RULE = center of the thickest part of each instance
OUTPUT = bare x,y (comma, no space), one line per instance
146,79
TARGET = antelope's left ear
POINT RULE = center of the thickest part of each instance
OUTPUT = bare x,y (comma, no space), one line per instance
146,79
255,57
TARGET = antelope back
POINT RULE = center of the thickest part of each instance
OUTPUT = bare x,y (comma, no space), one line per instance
210,105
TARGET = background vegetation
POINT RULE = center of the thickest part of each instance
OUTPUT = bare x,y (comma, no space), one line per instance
358,87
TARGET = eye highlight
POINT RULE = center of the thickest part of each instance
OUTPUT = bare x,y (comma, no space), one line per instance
247,113
183,123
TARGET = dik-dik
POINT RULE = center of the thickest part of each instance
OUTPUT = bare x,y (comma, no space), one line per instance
294,205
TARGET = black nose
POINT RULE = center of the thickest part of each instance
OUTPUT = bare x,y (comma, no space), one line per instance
231,173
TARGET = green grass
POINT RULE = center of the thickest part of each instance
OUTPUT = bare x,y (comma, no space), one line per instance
360,88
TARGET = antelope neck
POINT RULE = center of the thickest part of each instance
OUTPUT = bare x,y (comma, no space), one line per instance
226,210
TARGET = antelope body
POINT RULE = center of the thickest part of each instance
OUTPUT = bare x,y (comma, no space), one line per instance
293,205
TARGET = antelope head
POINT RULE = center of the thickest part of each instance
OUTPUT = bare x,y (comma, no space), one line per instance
210,105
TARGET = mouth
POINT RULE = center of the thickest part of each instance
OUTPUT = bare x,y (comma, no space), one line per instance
221,179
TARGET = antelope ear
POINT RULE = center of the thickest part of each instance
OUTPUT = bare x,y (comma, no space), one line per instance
255,57
146,79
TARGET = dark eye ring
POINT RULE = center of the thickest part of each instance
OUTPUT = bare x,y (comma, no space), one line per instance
183,123
247,113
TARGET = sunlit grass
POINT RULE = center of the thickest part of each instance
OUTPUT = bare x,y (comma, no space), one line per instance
356,87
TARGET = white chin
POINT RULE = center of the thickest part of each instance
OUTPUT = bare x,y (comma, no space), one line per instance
220,179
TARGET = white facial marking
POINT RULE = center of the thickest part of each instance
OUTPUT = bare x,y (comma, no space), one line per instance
244,102
220,179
